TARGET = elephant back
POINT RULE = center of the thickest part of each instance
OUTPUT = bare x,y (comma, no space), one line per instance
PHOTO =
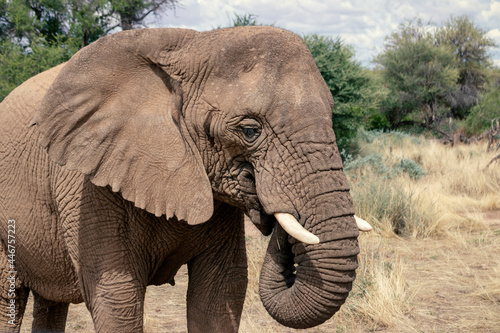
18,108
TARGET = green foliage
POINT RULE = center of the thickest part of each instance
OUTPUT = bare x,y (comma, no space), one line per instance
377,165
34,38
410,167
479,119
132,13
435,73
469,41
19,64
356,96
470,46
244,20
37,35
373,162
419,74
378,121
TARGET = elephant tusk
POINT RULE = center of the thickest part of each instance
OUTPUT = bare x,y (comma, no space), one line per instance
294,229
362,224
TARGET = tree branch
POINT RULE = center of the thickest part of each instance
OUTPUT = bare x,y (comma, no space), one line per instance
156,6
492,160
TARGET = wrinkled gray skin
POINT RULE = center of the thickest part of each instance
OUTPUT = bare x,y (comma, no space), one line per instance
144,151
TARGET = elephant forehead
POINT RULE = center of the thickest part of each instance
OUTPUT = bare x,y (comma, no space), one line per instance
237,50
261,91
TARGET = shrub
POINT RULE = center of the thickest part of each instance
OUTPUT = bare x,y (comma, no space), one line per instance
412,168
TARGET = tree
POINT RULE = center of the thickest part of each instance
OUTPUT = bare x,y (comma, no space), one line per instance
419,74
131,13
244,20
89,20
356,97
19,65
86,20
470,46
37,35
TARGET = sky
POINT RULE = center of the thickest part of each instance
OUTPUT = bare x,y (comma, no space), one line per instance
361,23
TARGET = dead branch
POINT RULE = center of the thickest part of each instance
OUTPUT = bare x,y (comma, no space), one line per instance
492,160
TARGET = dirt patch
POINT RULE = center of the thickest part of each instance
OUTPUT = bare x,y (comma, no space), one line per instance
492,218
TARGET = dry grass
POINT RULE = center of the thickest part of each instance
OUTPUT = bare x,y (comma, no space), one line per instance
392,191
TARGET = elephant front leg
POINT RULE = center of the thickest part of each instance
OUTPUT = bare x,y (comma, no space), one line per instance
48,316
116,303
217,285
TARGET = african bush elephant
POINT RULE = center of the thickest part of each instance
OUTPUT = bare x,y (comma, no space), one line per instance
143,153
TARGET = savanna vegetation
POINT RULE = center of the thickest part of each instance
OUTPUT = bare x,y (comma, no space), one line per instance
416,135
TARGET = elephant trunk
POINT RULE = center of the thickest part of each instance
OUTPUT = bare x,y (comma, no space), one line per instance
302,286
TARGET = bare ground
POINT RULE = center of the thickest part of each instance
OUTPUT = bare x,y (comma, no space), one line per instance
451,281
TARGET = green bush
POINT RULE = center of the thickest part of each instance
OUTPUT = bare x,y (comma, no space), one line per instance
385,202
412,168
373,162
479,119
19,64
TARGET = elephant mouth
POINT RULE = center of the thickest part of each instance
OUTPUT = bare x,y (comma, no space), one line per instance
246,180
264,222
238,188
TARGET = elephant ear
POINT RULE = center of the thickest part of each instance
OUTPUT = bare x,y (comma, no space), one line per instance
114,114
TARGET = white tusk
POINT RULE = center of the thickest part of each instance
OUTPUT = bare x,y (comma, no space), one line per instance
294,229
362,224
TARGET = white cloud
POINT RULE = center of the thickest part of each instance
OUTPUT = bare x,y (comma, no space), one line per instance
493,12
494,34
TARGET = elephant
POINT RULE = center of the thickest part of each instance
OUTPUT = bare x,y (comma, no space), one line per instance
144,152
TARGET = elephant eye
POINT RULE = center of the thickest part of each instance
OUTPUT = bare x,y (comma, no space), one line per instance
250,133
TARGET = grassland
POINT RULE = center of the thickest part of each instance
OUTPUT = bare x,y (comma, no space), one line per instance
432,263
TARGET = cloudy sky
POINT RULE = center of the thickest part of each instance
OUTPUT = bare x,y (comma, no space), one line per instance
361,23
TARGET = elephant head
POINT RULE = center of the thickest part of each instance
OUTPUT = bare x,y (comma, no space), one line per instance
175,120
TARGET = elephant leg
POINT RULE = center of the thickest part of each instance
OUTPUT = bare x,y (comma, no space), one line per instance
117,305
48,316
13,295
217,282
